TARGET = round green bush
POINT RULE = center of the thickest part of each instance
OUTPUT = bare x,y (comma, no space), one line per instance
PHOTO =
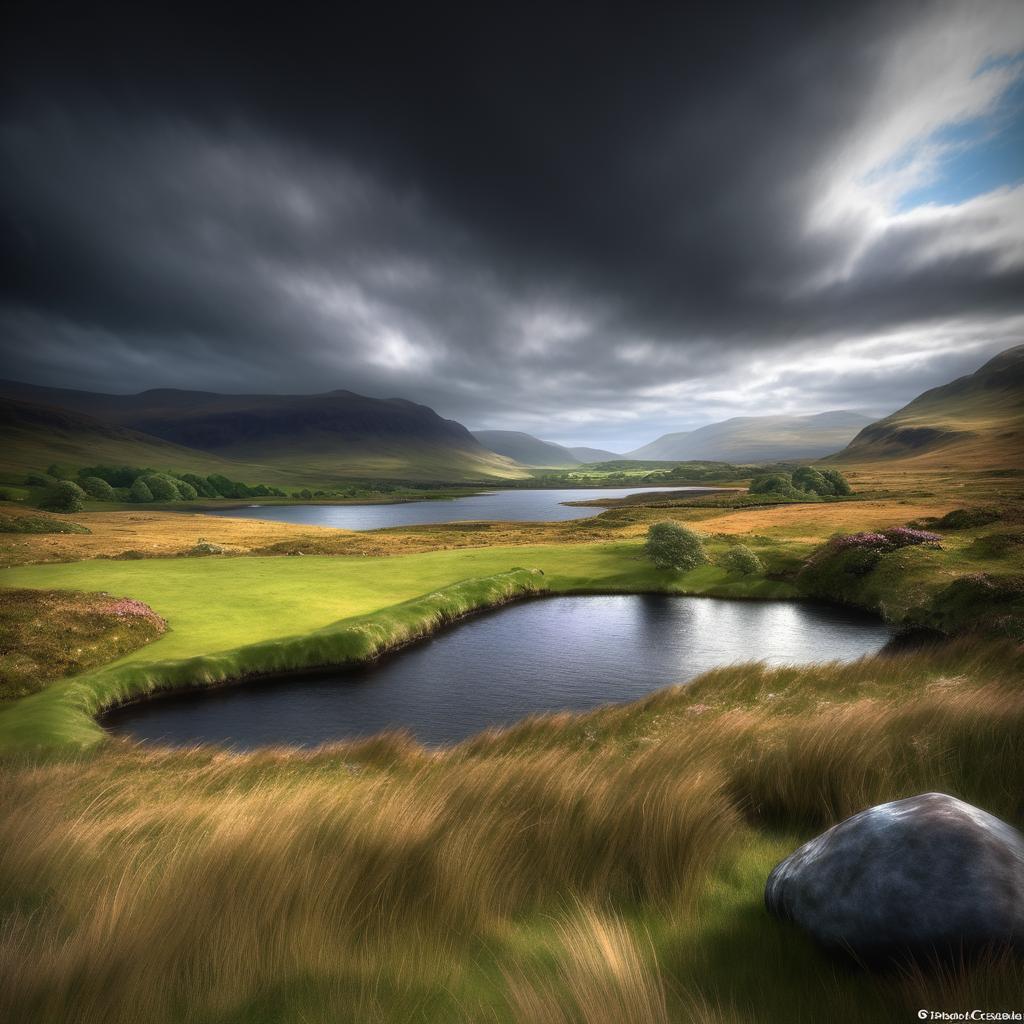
65,496
807,478
740,559
163,488
39,480
774,483
675,547
139,491
200,483
839,483
98,488
186,490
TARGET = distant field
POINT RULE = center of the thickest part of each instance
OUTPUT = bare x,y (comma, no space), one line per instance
215,604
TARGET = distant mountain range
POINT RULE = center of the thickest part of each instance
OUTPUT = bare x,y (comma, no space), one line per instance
594,455
532,451
287,439
526,449
758,439
326,436
740,439
974,420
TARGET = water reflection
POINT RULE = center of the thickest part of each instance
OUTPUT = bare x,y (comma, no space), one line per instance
543,655
514,506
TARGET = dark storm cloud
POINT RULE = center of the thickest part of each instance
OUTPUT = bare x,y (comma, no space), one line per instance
549,219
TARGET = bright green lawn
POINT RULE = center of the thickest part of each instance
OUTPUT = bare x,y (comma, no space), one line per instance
218,604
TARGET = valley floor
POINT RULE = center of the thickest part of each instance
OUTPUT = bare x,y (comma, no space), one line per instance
600,868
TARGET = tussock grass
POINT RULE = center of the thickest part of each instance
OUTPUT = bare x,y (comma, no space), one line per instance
593,868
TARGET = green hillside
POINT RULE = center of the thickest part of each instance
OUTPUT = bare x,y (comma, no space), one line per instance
35,436
973,421
757,439
526,449
289,438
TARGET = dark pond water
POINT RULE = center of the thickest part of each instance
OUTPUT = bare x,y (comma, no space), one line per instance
516,506
541,655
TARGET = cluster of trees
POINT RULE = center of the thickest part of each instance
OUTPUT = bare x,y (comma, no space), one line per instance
677,548
345,492
802,483
66,491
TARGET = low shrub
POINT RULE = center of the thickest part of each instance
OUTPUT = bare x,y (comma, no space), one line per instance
139,491
840,485
39,480
186,490
162,487
967,518
65,496
202,486
907,536
38,524
205,547
807,478
674,547
53,633
997,545
741,560
774,483
98,488
979,601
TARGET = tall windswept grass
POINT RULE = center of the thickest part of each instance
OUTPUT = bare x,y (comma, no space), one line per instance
198,897
604,976
380,881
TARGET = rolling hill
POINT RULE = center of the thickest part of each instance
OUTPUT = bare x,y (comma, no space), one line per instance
315,437
587,455
757,439
526,449
975,420
34,436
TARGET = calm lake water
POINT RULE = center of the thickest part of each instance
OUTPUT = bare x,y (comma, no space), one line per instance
541,655
515,506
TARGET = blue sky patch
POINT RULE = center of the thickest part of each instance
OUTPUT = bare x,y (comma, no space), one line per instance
981,155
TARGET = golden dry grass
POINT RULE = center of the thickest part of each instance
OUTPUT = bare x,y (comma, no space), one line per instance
145,884
164,534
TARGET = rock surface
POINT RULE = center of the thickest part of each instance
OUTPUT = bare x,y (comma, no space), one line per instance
929,872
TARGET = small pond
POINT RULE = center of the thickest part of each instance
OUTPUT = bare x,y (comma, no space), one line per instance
533,505
493,669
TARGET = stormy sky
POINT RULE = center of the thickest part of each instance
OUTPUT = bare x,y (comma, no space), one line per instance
593,223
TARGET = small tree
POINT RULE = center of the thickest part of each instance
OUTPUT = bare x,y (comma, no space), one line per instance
675,547
200,483
839,483
39,480
162,487
139,491
98,488
65,496
807,478
740,559
222,485
774,483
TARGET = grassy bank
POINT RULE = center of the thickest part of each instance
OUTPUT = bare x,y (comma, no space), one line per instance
601,868
64,714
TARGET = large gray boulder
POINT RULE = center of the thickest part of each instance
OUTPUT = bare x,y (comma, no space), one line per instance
926,873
